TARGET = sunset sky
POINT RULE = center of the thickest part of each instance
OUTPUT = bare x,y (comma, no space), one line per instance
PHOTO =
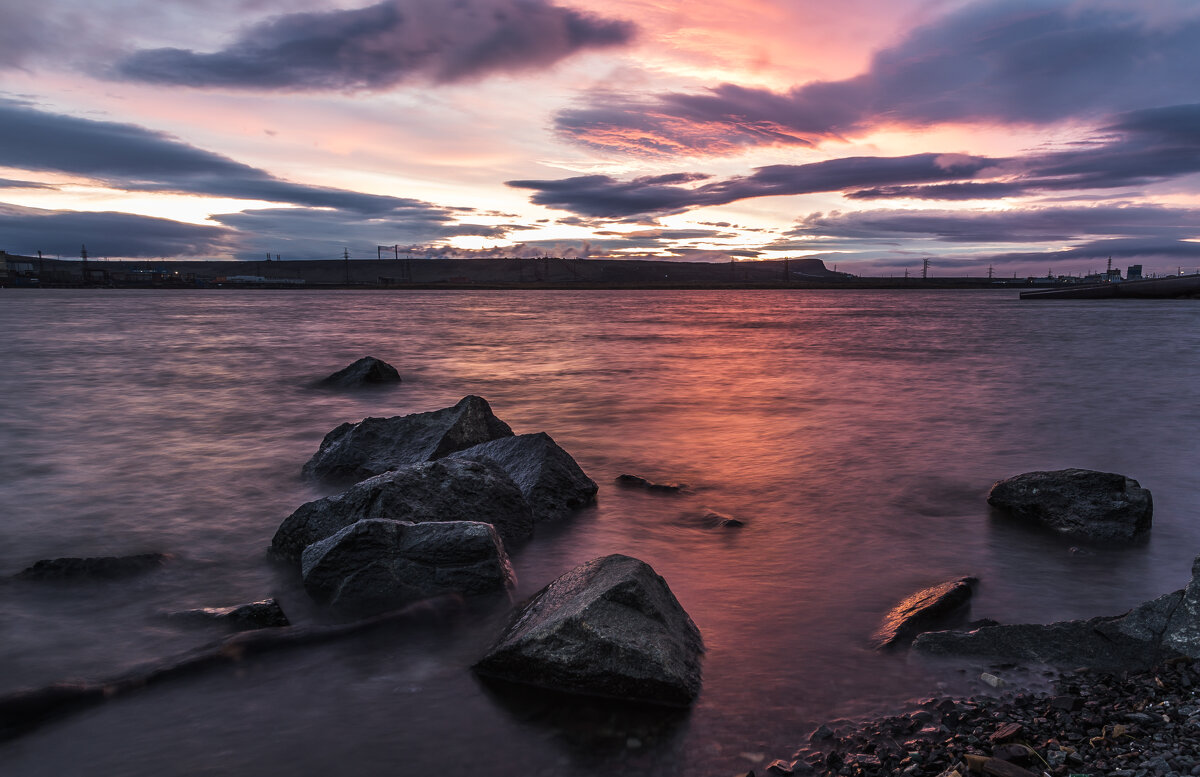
1029,137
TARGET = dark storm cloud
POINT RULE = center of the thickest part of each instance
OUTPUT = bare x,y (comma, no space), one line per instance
132,158
1024,225
385,44
600,196
1137,148
29,230
8,183
1035,61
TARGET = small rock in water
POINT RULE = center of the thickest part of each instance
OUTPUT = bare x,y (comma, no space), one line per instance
715,520
992,680
255,615
98,568
923,611
636,481
365,372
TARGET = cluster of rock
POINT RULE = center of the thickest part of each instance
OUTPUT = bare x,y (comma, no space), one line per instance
436,499
374,545
1127,724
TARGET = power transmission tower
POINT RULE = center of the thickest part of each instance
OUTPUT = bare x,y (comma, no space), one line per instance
346,261
925,268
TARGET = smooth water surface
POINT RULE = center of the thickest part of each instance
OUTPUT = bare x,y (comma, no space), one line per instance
856,434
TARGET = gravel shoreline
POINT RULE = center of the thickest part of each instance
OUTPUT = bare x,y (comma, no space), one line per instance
1125,724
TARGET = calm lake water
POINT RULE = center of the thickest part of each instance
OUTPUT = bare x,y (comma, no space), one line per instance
856,434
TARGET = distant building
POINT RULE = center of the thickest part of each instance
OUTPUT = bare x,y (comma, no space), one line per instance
1133,272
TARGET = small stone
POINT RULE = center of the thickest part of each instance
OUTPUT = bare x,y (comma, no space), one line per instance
992,680
821,734
779,766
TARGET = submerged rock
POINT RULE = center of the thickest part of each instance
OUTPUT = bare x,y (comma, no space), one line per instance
367,371
1077,502
610,627
714,520
352,452
443,490
926,609
97,568
551,481
637,481
254,615
377,565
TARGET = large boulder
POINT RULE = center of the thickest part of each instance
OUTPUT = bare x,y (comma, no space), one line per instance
1077,502
610,627
551,481
442,490
353,452
926,609
367,371
376,565
1161,628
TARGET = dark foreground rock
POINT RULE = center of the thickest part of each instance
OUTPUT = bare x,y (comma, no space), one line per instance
1162,628
1077,502
637,481
97,568
610,627
378,565
548,477
254,615
926,609
353,452
367,371
1094,723
443,490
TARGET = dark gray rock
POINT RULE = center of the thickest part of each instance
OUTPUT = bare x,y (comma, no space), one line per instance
1077,502
1097,643
551,481
377,565
715,520
610,627
367,371
255,615
926,609
97,568
442,490
353,452
637,481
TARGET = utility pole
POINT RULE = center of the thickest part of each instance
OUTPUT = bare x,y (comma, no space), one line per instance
346,260
989,272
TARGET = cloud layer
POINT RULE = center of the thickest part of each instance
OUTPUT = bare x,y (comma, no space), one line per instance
386,44
1004,62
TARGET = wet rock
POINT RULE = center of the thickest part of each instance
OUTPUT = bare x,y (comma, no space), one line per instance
610,627
1097,642
926,609
551,481
1077,502
97,568
821,734
715,520
255,615
352,452
636,481
781,767
367,371
377,565
443,490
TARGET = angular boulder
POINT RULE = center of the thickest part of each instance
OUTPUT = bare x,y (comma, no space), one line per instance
926,609
353,452
442,490
1077,502
610,627
367,371
551,481
265,614
95,568
376,565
